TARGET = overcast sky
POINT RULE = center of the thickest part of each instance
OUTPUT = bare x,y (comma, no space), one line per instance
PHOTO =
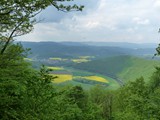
134,21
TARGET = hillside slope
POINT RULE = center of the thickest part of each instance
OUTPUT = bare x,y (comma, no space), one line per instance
121,67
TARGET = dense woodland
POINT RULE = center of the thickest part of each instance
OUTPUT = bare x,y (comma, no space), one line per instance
29,94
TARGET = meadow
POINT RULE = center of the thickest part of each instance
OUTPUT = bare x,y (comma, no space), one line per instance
55,68
80,60
58,59
68,77
125,68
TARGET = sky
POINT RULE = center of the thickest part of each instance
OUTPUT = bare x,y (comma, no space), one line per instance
134,21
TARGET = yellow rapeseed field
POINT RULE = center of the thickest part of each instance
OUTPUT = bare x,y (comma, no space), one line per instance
56,68
79,60
95,78
66,77
62,78
28,59
56,59
86,57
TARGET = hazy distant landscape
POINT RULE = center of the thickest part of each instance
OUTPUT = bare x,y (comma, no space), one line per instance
99,49
117,63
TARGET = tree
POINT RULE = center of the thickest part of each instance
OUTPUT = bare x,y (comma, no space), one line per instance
14,72
104,99
17,17
24,92
155,80
158,48
38,100
131,101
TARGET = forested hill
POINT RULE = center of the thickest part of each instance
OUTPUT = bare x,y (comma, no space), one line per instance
124,44
122,67
74,49
64,50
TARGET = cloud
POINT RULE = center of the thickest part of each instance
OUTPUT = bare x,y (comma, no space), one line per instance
101,20
140,21
157,4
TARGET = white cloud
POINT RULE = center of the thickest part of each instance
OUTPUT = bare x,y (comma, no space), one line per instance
157,3
140,21
104,20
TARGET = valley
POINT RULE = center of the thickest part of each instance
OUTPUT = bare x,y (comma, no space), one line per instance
89,65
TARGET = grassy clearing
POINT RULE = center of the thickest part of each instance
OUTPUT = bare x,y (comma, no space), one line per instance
58,59
80,60
56,68
28,59
140,68
86,57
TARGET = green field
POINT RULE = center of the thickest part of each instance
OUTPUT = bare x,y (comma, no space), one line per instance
83,78
140,68
125,68
115,71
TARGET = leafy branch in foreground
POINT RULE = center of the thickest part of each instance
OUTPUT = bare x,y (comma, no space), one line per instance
17,17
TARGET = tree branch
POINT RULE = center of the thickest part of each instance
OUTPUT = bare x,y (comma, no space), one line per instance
9,38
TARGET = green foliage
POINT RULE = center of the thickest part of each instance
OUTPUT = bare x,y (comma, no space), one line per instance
29,94
130,101
104,99
76,99
158,50
18,17
13,72
135,101
155,80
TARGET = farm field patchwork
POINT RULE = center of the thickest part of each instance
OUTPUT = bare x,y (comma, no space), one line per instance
67,77
79,59
94,78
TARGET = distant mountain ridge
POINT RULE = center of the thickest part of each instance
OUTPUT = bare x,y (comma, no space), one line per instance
123,44
74,49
